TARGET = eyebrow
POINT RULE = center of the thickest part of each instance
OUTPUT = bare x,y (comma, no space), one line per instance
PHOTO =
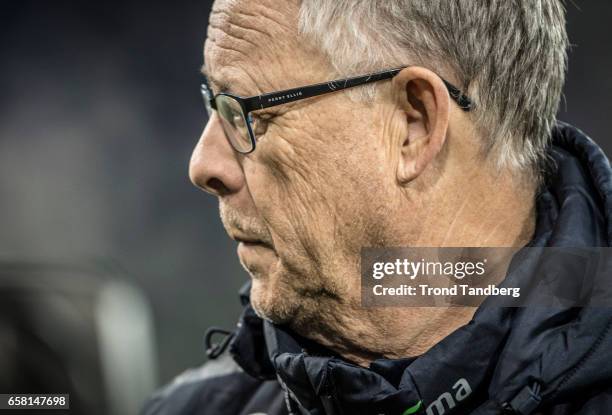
219,85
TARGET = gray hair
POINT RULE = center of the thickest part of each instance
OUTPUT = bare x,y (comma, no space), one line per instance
507,56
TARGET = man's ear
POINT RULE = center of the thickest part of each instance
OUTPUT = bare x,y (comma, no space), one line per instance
425,101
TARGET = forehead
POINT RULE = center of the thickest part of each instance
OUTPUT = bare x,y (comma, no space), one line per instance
252,46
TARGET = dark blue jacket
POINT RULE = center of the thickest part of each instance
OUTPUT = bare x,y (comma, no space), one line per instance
555,361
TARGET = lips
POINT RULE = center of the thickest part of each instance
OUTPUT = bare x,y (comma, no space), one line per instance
257,256
249,240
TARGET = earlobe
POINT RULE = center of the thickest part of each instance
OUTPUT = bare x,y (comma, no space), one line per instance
424,101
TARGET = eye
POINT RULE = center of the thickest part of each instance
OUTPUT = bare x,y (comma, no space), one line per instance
259,123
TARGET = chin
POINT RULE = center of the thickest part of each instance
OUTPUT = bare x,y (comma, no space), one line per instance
273,302
283,295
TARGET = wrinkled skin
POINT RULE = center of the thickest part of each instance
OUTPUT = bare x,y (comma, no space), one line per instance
331,175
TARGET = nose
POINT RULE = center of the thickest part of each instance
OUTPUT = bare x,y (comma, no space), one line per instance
214,165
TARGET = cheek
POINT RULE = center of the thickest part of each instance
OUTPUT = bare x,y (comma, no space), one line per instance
291,194
291,178
320,190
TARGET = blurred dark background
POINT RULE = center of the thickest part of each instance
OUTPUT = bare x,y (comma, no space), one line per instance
99,110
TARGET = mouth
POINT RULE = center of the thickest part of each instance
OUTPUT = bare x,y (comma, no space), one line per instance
249,240
256,255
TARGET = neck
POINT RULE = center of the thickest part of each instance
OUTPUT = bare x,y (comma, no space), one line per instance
485,209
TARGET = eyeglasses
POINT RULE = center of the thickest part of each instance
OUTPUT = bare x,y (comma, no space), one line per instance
235,111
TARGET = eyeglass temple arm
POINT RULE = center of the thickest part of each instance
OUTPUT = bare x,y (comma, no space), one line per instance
456,95
295,94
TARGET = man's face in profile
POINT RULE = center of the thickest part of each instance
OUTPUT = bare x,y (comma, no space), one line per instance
317,188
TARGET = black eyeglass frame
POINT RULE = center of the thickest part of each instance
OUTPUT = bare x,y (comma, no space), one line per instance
272,99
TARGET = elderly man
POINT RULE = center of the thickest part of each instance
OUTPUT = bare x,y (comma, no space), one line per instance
342,124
